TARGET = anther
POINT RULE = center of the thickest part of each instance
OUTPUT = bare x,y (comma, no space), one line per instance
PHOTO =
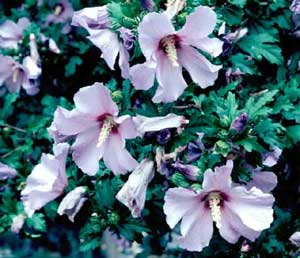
169,45
105,131
214,200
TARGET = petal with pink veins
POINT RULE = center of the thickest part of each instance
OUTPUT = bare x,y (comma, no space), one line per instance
126,128
252,206
116,157
200,69
197,229
142,76
178,203
232,227
86,154
153,124
124,61
170,79
199,24
212,46
219,180
108,42
68,123
95,100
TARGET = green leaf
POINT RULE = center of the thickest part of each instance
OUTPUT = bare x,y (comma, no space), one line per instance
239,3
250,144
37,222
243,63
258,108
232,15
262,45
293,132
70,68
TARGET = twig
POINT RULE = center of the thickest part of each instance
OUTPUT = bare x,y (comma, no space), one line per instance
14,127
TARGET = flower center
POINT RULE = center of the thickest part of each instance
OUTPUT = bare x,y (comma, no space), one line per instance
214,201
15,75
169,45
106,128
58,9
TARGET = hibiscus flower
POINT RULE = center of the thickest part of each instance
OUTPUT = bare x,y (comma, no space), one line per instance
47,180
98,130
167,51
235,210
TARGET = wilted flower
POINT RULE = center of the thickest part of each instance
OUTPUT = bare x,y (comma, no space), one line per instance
165,161
233,75
240,122
7,172
295,239
17,223
128,37
189,171
264,180
167,51
271,158
195,148
232,37
235,210
147,4
72,202
295,9
163,136
11,33
154,124
96,21
133,193
99,132
47,180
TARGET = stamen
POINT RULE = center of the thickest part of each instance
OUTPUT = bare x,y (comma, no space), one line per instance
15,75
169,45
105,131
214,200
58,10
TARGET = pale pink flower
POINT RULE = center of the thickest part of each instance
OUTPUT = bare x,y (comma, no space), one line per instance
62,12
133,193
14,75
12,33
7,172
96,21
47,180
271,158
99,132
264,180
167,51
295,239
154,124
72,203
235,210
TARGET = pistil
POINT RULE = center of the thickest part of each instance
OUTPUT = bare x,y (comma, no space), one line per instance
58,10
214,200
15,75
168,43
105,131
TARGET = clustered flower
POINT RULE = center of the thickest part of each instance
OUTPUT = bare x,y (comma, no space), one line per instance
95,129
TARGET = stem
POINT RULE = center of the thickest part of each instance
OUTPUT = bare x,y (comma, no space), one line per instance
14,127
